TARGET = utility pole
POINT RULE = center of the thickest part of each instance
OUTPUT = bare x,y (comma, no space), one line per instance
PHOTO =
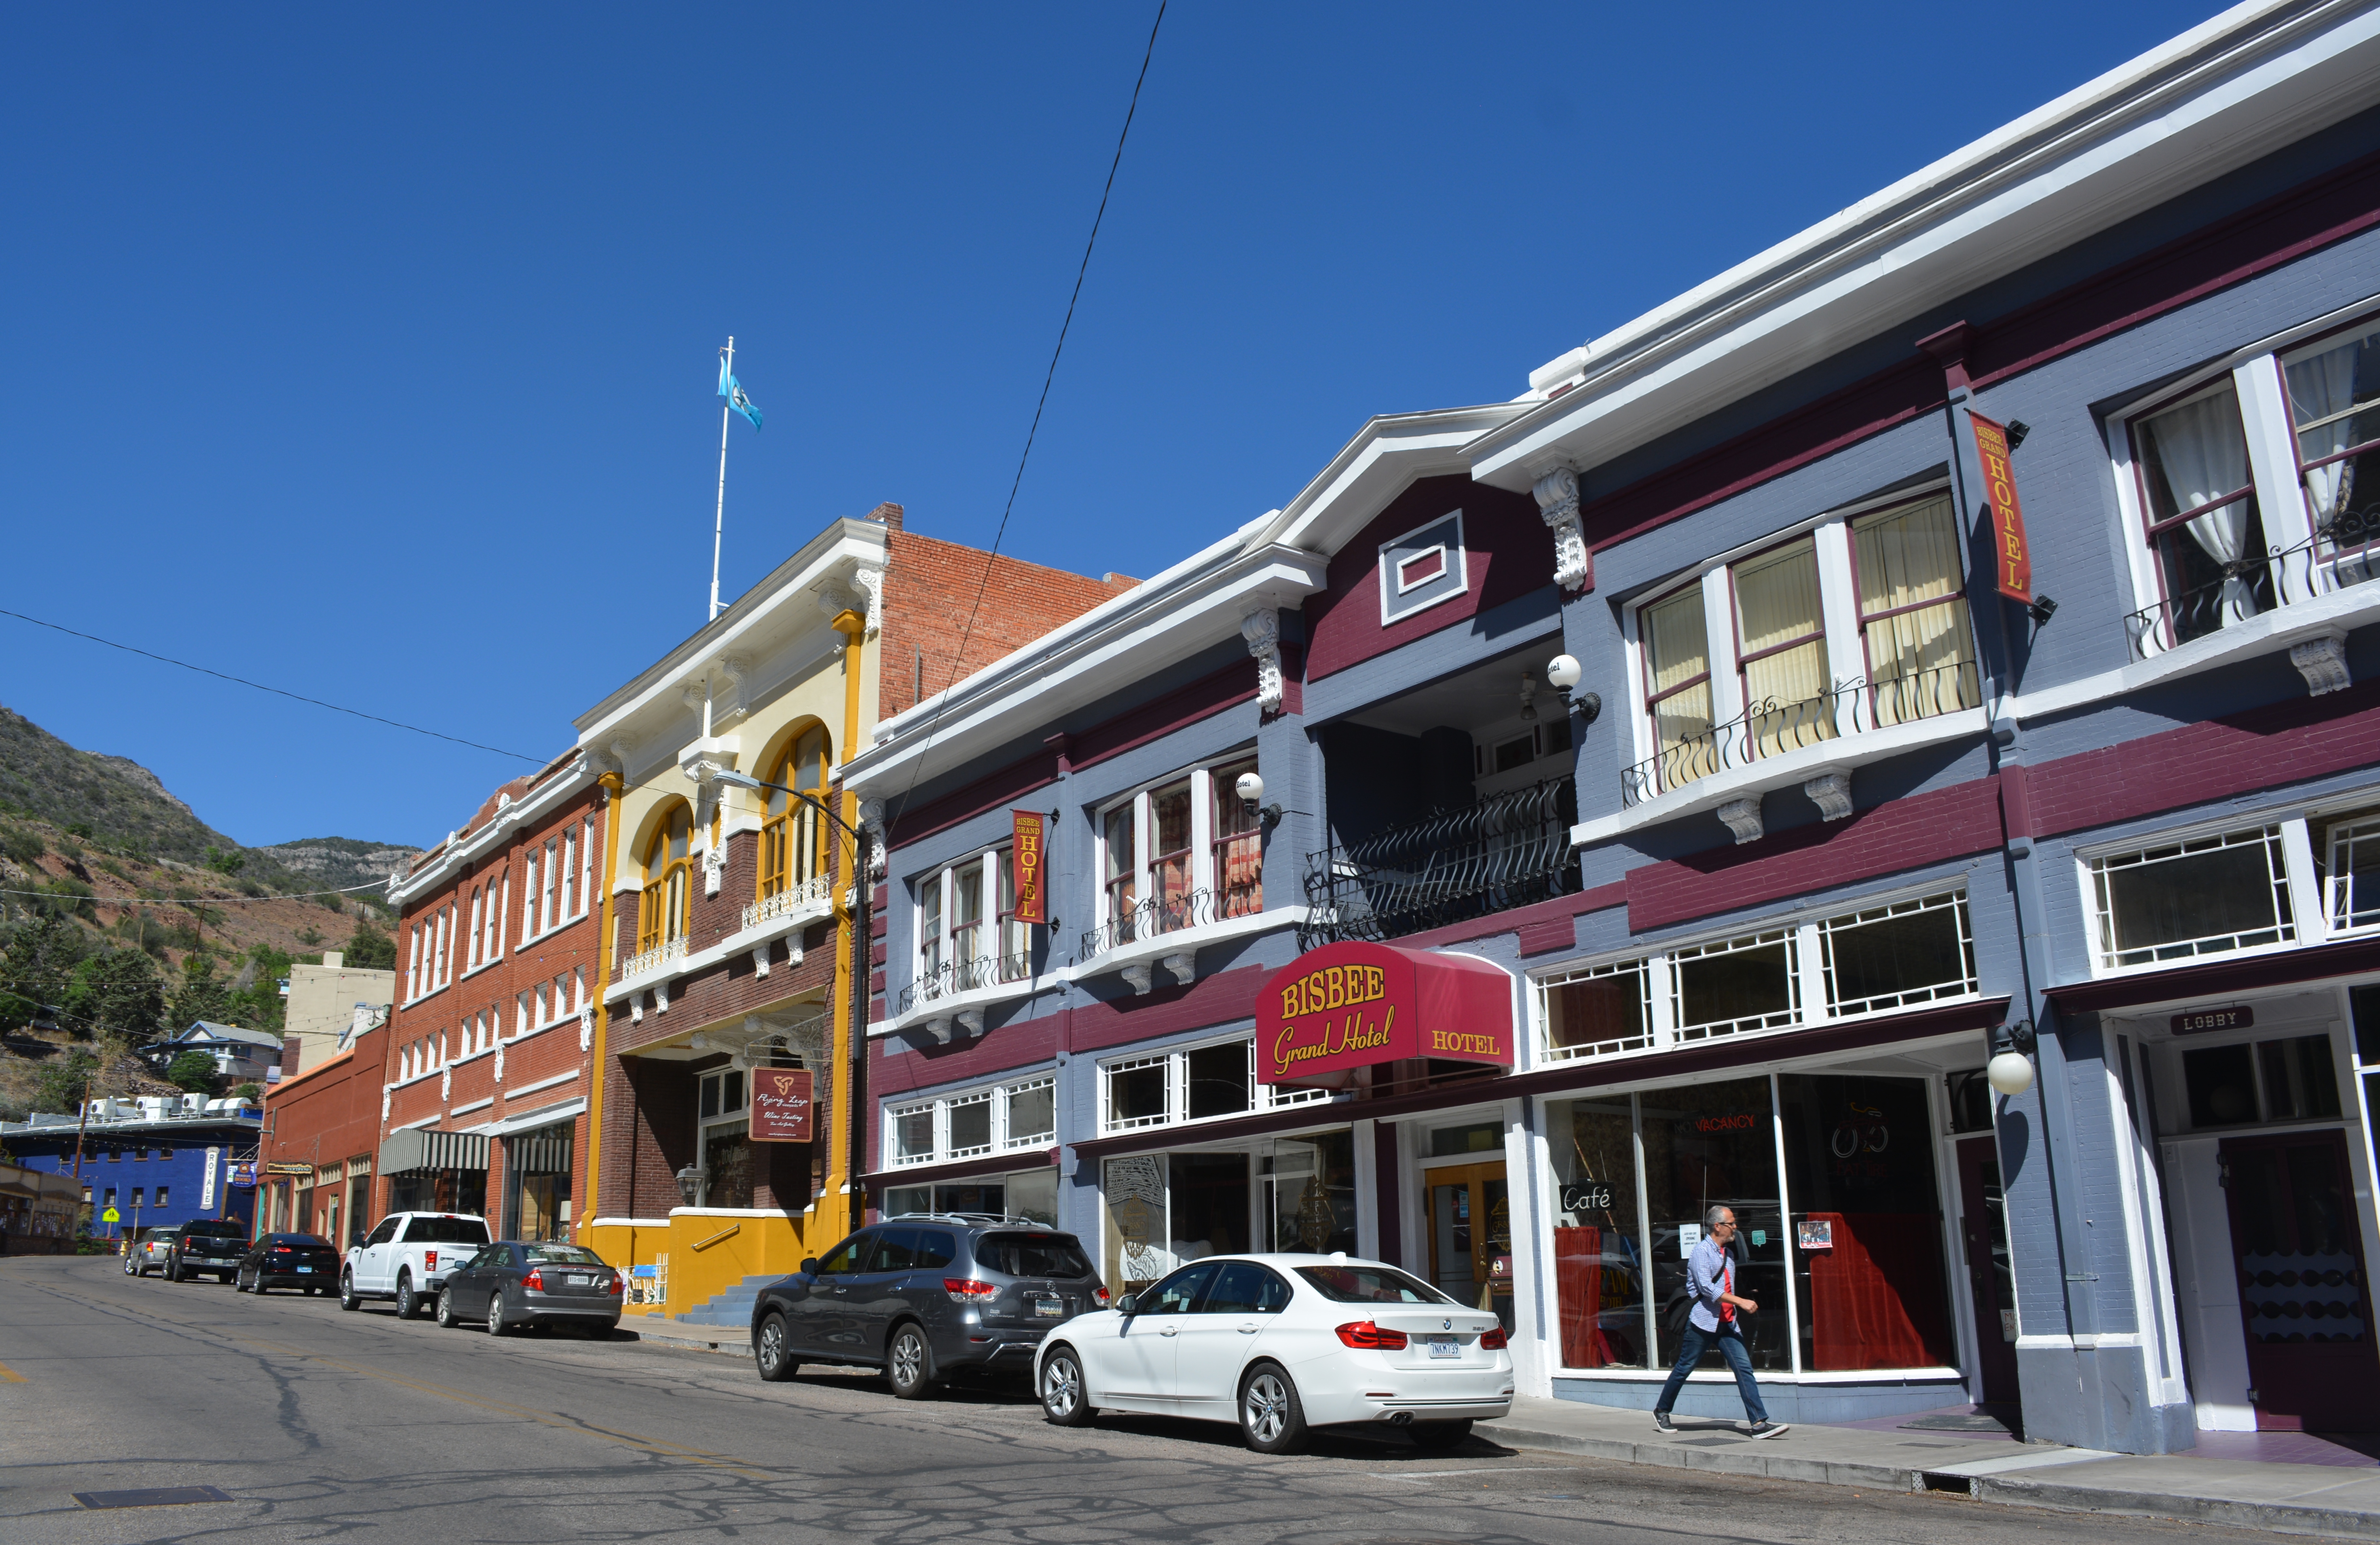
719,519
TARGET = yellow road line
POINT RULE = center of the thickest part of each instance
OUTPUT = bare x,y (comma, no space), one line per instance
11,1376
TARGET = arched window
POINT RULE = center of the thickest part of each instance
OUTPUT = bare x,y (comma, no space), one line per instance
793,838
660,913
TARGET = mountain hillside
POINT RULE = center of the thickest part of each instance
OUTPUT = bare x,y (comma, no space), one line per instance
336,863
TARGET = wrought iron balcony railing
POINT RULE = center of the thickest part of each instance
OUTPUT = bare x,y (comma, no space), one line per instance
1771,729
953,977
816,891
1168,914
2344,550
1502,852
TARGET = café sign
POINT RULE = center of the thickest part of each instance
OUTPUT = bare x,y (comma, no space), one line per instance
1354,1005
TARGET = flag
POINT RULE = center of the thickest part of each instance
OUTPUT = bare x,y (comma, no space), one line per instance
733,390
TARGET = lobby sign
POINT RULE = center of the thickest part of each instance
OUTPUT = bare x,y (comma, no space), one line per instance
2012,560
780,1104
1354,1004
1031,863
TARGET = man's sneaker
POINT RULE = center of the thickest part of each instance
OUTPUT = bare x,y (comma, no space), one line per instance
1766,1429
1661,1421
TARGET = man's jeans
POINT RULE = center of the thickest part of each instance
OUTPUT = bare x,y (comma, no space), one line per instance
1730,1345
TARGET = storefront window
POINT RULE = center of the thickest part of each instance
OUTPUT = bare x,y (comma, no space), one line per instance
1025,1193
1598,1263
1309,1186
1165,1208
1867,1242
1706,1145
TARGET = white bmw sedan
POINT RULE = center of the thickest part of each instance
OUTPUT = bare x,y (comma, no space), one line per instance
1280,1344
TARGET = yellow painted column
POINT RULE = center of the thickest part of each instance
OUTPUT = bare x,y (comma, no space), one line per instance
615,786
851,961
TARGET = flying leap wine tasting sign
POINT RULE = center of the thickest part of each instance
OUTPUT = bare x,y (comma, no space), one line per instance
780,1104
1349,1005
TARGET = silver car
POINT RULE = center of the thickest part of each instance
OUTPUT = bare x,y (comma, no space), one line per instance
516,1282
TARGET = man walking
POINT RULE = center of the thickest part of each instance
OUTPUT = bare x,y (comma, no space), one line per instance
1710,1271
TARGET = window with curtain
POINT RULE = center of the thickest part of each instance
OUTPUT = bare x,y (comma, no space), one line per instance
1178,853
2203,525
1921,653
1677,686
792,838
2334,391
1782,648
662,909
1238,861
968,932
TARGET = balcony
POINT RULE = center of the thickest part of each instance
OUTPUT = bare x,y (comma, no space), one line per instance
2340,554
645,962
955,977
1507,851
815,894
1170,914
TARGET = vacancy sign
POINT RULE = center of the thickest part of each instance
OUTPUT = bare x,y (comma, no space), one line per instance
1032,861
2012,560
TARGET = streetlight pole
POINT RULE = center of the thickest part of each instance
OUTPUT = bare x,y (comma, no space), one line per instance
856,1077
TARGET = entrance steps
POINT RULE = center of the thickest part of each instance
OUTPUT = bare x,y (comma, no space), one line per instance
732,1308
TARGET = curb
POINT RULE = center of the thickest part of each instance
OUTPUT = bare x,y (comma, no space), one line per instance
2275,1517
1747,1456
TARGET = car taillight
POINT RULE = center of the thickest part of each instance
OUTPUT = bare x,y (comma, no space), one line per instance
1492,1339
281,1250
619,1283
966,1290
535,1281
429,1261
1367,1336
1100,1293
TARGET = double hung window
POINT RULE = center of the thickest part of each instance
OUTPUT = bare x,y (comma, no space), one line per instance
725,1148
996,1118
662,909
967,932
1857,623
1178,853
793,838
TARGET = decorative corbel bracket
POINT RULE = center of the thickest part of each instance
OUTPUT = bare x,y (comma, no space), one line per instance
1137,977
871,597
1743,817
871,821
586,1027
2322,661
759,960
1183,966
1831,792
1556,494
1261,630
738,673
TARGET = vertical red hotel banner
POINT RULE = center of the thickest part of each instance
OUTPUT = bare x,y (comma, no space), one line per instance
2012,559
780,1104
1031,860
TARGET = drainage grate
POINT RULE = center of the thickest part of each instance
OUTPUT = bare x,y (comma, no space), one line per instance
154,1496
1958,1485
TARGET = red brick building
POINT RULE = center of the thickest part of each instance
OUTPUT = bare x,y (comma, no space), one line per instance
321,1142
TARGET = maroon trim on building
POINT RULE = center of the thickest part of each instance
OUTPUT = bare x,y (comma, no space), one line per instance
988,792
1543,926
968,1169
2281,229
1884,840
1178,710
1020,1043
2221,978
1293,678
1507,554
1211,1000
2287,742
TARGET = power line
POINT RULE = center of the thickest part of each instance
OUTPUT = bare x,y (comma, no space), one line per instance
968,634
192,901
242,680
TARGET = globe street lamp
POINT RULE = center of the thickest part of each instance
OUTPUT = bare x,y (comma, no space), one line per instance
1562,673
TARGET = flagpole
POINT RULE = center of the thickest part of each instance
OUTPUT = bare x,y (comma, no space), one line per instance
719,520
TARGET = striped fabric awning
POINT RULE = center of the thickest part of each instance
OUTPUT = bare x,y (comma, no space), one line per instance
416,1149
538,1155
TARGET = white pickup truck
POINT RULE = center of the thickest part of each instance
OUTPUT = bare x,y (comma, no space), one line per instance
406,1258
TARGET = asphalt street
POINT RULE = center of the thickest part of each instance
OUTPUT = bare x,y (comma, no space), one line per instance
321,1425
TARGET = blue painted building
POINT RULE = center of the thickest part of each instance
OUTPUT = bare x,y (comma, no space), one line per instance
158,1160
1841,806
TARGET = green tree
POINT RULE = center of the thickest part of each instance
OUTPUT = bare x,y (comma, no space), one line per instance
37,961
201,995
194,1071
65,1081
120,991
223,862
251,1092
369,949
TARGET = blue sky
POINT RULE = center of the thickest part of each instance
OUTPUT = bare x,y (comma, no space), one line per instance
370,351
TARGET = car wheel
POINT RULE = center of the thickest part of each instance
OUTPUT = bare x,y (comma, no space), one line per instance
909,1364
1271,1420
347,1299
172,1272
128,1268
1438,1435
238,1284
408,1303
447,1320
772,1350
496,1325
1066,1400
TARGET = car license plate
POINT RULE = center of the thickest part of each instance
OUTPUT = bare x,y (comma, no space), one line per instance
304,1268
1445,1347
578,1279
1048,1309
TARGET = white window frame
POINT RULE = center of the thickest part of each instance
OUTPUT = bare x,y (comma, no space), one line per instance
1810,978
2256,377
2301,920
1832,539
1003,1141
1458,568
989,863
705,1125
1203,878
1262,1097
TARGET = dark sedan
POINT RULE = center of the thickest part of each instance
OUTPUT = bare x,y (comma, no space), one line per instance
288,1261
515,1283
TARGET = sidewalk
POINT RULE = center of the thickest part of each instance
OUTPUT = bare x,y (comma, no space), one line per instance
2329,1498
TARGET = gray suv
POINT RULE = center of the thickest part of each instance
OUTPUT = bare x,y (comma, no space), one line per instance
927,1295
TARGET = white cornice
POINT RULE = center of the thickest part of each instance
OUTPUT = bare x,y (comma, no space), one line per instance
493,834
1385,455
2251,80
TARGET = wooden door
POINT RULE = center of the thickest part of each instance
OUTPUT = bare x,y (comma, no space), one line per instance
1470,1230
2302,1299
1982,1229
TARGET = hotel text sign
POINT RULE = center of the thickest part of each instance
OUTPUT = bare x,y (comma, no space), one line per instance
1349,1005
780,1104
1031,860
2012,559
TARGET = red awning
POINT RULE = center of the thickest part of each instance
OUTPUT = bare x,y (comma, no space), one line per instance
1349,1005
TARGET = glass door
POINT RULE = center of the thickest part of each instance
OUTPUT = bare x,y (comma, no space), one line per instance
1470,1230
